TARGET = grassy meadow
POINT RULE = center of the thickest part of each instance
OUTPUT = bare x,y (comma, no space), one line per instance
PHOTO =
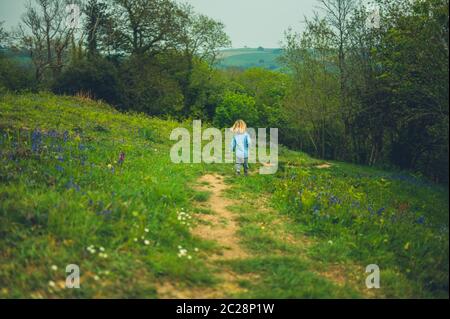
249,58
81,183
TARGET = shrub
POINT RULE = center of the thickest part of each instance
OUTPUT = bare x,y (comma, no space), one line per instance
15,76
97,78
236,106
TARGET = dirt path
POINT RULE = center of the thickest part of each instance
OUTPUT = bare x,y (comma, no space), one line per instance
221,227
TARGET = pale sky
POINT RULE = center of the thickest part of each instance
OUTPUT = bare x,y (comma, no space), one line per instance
249,23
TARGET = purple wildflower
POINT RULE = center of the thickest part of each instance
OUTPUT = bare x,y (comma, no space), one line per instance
421,220
380,211
371,211
36,140
334,200
71,184
52,133
121,158
105,212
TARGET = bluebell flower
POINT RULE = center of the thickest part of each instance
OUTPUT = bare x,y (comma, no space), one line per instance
36,140
105,212
65,136
356,204
59,168
421,220
380,211
52,133
71,184
334,200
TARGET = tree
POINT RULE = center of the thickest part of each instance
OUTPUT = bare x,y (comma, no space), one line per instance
96,77
150,85
236,106
3,35
201,39
95,25
313,99
146,26
414,74
269,90
46,34
392,85
337,14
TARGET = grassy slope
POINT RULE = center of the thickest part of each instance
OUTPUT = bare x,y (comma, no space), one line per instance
248,58
63,192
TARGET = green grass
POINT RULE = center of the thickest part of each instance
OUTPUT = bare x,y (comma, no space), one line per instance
201,196
63,190
358,216
250,58
288,277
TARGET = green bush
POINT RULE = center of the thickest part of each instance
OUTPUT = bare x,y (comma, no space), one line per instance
97,78
14,76
236,106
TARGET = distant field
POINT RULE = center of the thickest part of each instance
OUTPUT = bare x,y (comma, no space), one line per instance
240,58
247,58
22,57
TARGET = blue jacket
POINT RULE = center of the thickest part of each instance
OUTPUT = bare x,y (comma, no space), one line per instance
240,144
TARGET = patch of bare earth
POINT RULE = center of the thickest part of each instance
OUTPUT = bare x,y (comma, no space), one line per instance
222,227
324,166
349,274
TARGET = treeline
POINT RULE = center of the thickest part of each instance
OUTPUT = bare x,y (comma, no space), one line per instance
153,56
361,85
371,86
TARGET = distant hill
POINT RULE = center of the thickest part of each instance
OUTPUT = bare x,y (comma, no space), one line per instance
245,58
22,57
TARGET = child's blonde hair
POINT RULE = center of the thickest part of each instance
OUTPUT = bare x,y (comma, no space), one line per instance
239,127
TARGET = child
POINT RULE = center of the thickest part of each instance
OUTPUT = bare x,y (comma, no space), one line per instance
240,143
